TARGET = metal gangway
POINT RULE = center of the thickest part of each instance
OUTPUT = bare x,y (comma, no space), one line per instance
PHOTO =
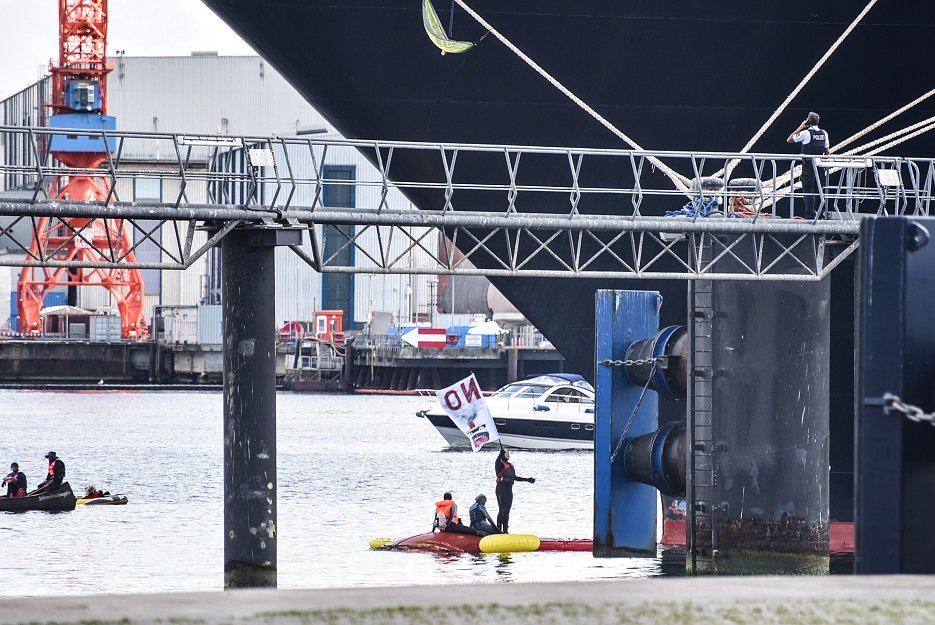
482,209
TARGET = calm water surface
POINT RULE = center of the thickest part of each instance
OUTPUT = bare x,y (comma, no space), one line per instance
351,468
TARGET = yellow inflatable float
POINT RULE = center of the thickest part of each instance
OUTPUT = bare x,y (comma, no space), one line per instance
509,543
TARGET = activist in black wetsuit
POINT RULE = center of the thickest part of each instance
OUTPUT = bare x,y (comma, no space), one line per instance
16,482
506,475
55,476
480,518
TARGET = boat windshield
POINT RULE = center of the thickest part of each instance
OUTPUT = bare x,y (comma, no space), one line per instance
522,390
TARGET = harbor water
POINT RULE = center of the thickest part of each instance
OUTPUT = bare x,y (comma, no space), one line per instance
350,468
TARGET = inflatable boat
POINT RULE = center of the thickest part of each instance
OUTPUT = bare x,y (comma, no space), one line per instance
452,543
106,500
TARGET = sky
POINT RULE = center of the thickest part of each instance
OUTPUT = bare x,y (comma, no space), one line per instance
138,27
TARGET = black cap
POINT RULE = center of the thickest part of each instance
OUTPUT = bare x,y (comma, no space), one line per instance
447,495
14,466
481,497
51,456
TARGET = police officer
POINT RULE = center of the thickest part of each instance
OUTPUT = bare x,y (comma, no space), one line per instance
814,142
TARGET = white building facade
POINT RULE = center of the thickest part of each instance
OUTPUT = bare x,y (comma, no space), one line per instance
238,96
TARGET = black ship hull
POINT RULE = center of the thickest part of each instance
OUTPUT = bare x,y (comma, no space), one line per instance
686,75
672,76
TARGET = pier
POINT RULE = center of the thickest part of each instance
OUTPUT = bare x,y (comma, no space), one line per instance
741,600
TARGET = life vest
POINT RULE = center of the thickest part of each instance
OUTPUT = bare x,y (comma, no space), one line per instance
478,514
506,467
816,142
449,511
51,470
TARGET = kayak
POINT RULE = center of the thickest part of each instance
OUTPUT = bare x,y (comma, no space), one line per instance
453,543
60,499
106,500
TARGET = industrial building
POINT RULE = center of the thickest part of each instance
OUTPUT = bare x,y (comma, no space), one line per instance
207,94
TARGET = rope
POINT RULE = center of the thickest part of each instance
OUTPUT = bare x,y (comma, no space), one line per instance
867,146
782,107
891,144
882,121
693,209
681,182
808,76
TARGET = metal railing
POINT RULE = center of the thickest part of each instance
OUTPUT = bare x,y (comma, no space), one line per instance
482,209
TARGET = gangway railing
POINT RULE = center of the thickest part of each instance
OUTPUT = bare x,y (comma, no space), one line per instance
482,209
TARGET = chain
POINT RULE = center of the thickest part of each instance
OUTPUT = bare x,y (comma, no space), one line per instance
607,362
636,408
892,403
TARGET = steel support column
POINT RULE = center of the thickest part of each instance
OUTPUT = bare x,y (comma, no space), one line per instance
624,509
248,304
895,456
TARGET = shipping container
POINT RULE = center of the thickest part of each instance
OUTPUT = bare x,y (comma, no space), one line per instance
179,324
210,329
465,339
106,328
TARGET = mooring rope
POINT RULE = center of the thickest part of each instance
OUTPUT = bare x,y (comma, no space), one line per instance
729,168
782,107
681,182
892,144
859,150
883,120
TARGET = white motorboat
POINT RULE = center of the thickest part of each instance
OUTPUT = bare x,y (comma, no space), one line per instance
553,411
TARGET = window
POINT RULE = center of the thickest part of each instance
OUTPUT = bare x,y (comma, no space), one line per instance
567,395
147,234
338,288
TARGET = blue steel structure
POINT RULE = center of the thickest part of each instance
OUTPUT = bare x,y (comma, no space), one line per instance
624,509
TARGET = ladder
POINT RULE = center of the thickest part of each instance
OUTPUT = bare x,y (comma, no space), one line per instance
701,532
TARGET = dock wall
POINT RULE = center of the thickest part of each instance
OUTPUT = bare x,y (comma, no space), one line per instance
754,600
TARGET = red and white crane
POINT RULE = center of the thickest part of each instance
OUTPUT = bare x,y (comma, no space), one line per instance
79,101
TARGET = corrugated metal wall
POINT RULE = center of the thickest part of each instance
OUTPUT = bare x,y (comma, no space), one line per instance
237,95
404,296
240,96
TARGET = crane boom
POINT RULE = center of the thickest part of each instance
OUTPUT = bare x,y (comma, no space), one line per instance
79,81
79,102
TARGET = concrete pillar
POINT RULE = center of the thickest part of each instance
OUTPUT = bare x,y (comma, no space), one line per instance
512,355
248,306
